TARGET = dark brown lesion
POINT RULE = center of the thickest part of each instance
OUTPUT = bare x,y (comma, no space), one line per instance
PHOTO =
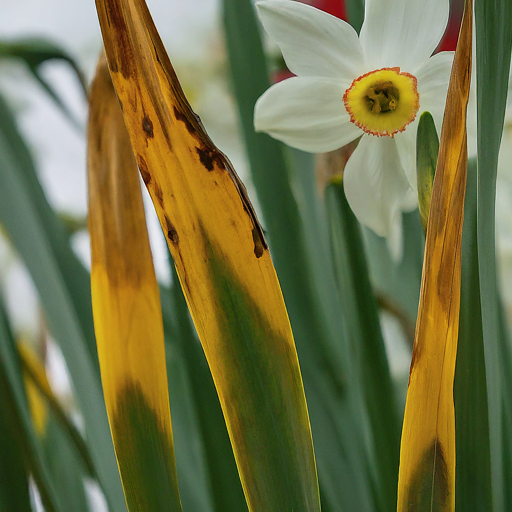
382,97
147,126
172,234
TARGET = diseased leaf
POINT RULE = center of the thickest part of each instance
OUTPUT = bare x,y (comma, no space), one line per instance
223,264
427,457
127,313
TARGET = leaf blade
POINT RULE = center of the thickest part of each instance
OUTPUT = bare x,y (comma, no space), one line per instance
222,259
127,315
427,455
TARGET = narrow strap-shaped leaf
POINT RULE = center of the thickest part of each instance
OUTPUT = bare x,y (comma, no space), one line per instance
14,404
127,313
65,466
223,264
40,240
473,469
427,456
493,47
37,376
74,280
368,351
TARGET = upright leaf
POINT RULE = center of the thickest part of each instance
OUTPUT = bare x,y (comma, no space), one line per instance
493,47
427,457
14,405
368,351
473,469
223,264
127,313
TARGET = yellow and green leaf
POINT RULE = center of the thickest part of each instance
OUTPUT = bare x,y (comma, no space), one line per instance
127,313
427,458
223,264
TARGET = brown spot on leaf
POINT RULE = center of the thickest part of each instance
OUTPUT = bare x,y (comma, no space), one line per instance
209,158
147,126
158,193
143,168
258,243
172,234
184,119
124,59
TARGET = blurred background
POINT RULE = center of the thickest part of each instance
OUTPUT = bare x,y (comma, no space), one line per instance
192,33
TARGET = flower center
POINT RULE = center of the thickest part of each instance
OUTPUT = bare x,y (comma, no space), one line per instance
383,102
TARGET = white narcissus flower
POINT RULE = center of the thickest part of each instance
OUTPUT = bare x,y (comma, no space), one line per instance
375,86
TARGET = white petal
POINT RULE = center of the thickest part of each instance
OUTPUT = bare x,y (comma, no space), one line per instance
433,79
402,33
375,184
313,42
306,113
406,145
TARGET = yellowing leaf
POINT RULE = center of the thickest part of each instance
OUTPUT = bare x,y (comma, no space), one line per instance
127,312
427,458
223,264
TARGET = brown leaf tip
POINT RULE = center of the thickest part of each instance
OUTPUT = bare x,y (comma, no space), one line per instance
147,126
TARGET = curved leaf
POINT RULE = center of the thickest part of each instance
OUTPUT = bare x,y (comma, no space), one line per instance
223,264
127,313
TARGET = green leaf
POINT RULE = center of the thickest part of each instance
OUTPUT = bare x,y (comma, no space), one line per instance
35,52
13,399
14,491
398,284
75,279
28,221
493,47
368,351
65,466
314,308
355,12
473,470
426,161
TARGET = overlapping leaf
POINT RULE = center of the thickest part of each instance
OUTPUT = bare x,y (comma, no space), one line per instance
427,458
223,264
127,313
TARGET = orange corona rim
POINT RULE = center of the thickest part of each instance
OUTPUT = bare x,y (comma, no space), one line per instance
383,102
